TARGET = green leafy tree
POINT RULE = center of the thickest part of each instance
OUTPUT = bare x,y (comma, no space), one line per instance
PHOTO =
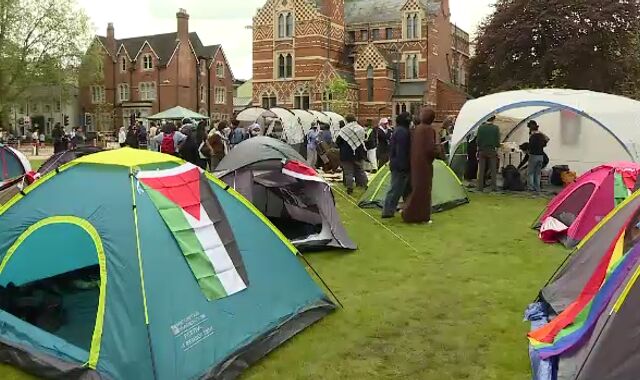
339,101
41,43
581,44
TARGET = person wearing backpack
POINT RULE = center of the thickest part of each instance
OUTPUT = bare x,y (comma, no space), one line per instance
169,140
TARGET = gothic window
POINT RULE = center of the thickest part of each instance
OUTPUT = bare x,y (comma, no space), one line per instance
269,100
413,66
412,26
301,100
327,99
285,65
370,83
285,25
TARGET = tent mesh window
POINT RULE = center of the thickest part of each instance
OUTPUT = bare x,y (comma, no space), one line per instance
569,210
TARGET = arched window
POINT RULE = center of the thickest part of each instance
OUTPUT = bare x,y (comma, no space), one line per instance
289,25
289,66
285,25
327,100
412,26
370,83
413,66
269,100
281,25
301,99
282,72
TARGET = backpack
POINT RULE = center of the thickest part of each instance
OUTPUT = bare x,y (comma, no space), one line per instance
167,145
512,180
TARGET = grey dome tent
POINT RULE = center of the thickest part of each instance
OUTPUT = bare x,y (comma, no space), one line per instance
273,176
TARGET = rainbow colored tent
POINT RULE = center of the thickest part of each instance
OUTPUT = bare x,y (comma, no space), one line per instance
594,303
579,207
152,269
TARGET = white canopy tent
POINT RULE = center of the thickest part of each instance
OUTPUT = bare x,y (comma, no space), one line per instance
307,119
292,130
585,128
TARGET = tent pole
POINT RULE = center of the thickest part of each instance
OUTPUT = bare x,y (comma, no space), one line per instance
321,279
348,198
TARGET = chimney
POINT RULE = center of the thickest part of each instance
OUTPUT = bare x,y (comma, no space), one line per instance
183,24
111,39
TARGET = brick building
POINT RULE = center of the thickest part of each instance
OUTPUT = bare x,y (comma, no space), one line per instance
150,74
396,55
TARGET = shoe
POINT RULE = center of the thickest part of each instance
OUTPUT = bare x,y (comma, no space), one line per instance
429,222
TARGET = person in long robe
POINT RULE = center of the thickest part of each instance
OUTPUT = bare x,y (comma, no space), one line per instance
423,153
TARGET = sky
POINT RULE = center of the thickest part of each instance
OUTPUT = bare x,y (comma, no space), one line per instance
222,22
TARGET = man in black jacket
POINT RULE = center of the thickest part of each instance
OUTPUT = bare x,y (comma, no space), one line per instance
400,164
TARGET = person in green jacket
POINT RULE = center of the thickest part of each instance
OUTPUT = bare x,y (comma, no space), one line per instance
488,144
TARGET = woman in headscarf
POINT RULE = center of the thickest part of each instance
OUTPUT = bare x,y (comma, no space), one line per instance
423,153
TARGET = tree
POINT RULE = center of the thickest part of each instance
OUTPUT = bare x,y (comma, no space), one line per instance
581,44
339,101
41,44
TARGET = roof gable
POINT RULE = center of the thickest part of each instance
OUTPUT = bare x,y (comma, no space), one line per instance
371,56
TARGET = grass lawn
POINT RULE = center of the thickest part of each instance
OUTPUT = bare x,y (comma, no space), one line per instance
35,164
450,309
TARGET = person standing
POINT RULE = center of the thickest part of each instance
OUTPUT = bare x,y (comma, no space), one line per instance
312,146
122,137
217,141
238,134
170,139
132,137
423,153
143,138
58,139
400,165
537,142
371,143
153,132
350,140
204,149
384,137
488,143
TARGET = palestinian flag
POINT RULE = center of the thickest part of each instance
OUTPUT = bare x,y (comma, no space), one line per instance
190,209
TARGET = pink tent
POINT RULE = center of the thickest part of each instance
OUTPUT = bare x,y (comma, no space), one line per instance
574,212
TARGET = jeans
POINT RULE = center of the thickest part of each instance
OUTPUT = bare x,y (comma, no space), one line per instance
354,170
488,158
535,171
399,188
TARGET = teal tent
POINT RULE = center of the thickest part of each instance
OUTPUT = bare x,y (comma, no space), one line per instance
150,269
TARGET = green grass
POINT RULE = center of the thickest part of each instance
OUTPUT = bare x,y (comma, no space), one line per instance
35,164
452,309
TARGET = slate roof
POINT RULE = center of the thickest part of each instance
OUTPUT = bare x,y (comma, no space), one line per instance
163,44
372,11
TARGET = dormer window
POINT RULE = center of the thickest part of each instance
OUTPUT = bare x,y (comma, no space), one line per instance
285,25
220,70
123,64
147,62
412,26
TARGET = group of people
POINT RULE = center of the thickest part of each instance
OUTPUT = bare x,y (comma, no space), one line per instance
376,144
488,142
194,142
410,151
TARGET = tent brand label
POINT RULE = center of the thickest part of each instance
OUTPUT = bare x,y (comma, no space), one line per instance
193,330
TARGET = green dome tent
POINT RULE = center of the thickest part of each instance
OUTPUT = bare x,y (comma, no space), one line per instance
448,192
151,270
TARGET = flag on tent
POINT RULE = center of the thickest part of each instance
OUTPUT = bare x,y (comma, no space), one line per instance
194,216
577,321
